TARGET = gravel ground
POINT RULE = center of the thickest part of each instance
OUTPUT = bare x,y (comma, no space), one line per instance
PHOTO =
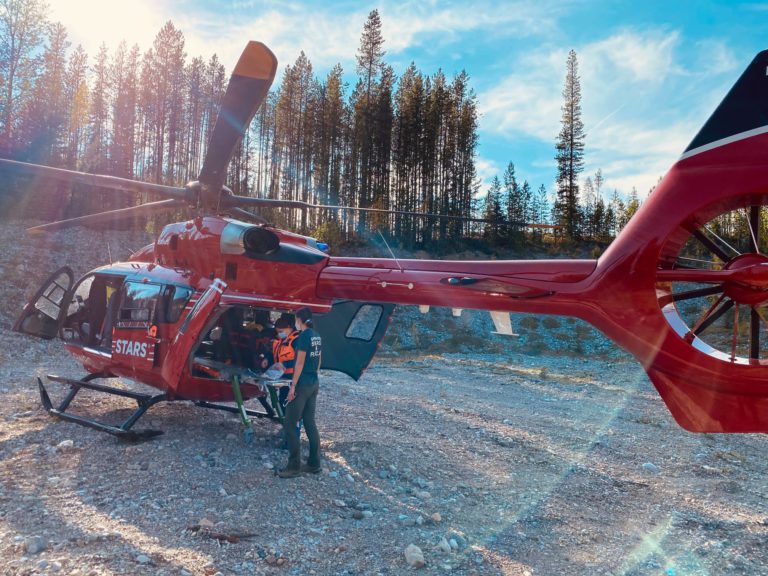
538,456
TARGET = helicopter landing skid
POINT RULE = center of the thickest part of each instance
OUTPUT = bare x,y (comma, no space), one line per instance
235,410
123,431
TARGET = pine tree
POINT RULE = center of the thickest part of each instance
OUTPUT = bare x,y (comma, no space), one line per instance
22,29
329,140
96,158
370,63
77,94
615,211
382,147
168,61
123,77
46,112
512,200
570,152
465,172
539,211
633,205
407,142
588,209
494,213
195,121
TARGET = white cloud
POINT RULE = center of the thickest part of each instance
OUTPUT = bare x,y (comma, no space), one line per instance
329,36
324,38
716,57
486,170
410,24
629,80
93,22
630,57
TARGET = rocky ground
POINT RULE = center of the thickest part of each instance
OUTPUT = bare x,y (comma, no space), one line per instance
546,454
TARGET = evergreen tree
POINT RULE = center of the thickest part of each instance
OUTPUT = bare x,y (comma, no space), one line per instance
44,122
512,198
526,197
588,209
601,232
195,120
96,159
633,204
382,147
123,76
616,213
494,213
76,87
539,211
22,29
464,170
570,152
370,62
167,89
407,142
330,139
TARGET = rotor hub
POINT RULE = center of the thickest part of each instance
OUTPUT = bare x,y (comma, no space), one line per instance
752,286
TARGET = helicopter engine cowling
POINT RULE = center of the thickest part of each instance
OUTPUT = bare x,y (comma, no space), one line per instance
241,238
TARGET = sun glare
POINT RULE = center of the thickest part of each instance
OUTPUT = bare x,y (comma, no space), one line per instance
93,22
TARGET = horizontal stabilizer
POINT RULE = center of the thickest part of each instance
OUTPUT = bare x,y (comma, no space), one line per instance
503,323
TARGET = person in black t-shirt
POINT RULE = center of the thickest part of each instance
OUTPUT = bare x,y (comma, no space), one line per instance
302,398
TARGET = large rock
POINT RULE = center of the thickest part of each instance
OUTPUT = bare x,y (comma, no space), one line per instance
414,556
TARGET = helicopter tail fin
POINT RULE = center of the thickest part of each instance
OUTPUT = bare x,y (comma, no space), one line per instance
742,113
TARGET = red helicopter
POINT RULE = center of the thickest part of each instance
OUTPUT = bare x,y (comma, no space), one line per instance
683,287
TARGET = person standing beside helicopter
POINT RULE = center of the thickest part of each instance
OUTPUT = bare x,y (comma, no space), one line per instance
284,352
302,398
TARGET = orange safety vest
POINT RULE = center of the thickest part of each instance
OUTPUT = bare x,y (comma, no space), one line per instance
283,352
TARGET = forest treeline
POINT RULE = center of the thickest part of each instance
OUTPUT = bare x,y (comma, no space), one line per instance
404,143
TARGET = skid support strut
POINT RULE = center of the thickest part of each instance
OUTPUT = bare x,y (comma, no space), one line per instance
123,431
240,409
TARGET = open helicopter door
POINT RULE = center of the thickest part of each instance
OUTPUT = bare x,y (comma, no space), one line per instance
351,334
180,348
43,314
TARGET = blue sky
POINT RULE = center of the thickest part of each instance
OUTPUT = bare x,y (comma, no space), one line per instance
651,72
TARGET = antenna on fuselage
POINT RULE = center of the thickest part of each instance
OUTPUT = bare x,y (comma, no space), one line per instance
390,251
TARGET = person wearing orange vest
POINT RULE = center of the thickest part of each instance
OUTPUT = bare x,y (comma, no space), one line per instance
284,353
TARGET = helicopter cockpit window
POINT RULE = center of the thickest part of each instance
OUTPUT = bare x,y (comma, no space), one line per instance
179,296
50,302
89,316
363,325
137,309
80,296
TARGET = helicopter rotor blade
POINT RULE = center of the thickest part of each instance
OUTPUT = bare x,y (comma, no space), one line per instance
94,180
245,215
229,201
111,216
248,86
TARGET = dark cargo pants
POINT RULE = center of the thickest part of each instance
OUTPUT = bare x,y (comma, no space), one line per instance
302,407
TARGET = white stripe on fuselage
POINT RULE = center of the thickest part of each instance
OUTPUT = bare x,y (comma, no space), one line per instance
724,141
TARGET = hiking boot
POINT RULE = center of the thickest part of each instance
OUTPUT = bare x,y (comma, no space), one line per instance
311,469
289,473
